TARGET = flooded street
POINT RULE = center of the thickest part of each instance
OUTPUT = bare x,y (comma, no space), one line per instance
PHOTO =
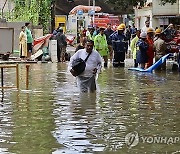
52,117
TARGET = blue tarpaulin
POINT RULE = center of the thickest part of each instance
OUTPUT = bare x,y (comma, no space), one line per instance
153,67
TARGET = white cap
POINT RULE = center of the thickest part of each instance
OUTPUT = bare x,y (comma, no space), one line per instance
143,35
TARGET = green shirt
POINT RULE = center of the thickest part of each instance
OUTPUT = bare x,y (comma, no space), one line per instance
29,36
100,42
133,46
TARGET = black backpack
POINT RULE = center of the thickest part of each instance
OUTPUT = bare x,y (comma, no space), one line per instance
79,65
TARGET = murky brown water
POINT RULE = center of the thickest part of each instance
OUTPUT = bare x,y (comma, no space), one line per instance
52,117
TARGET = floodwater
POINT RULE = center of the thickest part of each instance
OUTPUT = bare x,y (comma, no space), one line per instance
131,112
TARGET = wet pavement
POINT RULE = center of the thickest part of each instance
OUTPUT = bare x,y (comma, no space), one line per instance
126,114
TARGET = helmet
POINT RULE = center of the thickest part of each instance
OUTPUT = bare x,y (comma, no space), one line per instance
158,31
102,28
143,35
150,30
121,27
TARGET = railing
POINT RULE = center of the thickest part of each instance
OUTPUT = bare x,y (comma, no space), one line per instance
2,76
2,67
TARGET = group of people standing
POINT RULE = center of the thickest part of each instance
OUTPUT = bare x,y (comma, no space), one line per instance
147,45
109,43
25,42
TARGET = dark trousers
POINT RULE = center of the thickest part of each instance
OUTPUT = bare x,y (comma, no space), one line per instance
58,53
135,63
119,58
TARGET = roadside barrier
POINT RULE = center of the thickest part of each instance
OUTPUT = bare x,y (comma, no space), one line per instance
2,67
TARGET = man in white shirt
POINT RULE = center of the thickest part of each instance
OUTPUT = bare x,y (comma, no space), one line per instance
86,80
146,27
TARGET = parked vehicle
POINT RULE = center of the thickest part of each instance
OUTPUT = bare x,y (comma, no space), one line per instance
173,44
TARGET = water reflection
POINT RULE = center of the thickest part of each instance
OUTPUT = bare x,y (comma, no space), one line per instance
52,117
74,126
2,95
30,114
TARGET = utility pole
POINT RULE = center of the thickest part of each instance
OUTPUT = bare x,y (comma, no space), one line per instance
3,8
94,11
52,15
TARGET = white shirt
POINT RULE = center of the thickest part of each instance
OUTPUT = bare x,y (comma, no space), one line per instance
94,61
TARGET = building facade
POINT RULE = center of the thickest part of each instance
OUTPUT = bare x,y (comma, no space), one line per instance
158,14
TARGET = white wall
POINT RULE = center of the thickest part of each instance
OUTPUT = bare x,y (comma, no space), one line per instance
155,23
142,14
166,9
149,1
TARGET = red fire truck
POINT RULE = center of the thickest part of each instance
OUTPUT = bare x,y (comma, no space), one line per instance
102,19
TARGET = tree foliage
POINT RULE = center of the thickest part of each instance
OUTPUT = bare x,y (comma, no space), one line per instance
36,11
124,4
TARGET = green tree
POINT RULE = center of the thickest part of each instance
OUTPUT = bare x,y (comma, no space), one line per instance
125,4
36,11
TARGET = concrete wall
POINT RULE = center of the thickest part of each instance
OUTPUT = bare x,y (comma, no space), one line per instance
166,9
17,29
155,23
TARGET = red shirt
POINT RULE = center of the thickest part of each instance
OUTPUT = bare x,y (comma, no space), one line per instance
150,51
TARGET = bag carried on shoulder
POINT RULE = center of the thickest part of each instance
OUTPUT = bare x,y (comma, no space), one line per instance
79,65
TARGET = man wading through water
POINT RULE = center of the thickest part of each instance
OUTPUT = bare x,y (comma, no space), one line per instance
87,79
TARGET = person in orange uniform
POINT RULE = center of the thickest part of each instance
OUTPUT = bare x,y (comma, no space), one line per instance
150,51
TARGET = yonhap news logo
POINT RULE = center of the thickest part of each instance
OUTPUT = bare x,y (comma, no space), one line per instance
132,139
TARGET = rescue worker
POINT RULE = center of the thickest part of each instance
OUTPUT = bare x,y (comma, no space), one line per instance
100,44
141,48
120,46
159,48
150,51
133,46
